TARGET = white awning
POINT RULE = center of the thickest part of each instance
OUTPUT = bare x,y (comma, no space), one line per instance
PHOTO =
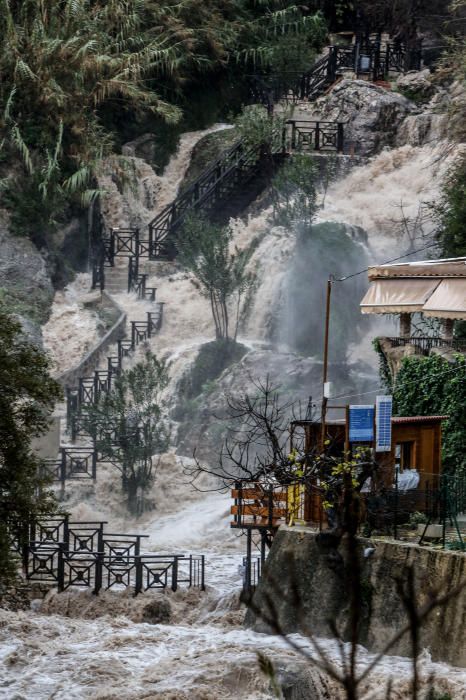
448,300
394,296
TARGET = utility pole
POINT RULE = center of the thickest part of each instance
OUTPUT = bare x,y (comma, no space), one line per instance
325,367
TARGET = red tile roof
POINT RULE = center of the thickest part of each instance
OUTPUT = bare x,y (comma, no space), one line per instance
418,419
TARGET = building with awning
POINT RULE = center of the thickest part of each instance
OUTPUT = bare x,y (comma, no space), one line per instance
434,288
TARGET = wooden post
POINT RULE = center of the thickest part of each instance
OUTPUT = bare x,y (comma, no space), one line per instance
325,367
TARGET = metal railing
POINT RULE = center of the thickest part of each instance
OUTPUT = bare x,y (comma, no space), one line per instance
426,344
69,554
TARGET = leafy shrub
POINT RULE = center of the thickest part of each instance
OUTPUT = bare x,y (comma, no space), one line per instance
431,386
417,518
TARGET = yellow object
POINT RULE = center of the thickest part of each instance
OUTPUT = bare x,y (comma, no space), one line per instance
295,504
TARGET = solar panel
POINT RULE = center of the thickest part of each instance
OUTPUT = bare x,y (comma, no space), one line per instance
383,418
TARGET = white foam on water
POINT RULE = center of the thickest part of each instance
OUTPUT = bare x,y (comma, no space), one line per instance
212,656
72,328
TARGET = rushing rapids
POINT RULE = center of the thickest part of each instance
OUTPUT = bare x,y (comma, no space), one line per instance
59,650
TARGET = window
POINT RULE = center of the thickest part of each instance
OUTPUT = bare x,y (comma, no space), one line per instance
404,456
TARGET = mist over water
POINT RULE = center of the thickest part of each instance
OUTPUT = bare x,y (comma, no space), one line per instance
205,653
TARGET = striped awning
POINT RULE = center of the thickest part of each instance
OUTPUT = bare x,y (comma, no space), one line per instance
394,296
435,288
448,300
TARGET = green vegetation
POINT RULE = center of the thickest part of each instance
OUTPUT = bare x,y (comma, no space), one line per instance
81,75
431,386
27,397
129,428
212,359
294,191
417,518
258,129
204,249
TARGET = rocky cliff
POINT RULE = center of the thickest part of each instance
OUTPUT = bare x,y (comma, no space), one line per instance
310,568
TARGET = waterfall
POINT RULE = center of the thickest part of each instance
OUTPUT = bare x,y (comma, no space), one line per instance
205,652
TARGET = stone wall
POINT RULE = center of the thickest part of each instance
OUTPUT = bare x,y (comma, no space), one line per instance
89,363
312,570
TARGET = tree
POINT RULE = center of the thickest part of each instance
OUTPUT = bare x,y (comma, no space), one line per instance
129,428
205,250
294,191
77,75
261,133
257,450
27,397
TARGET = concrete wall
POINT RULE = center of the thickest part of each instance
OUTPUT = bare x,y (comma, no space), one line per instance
305,581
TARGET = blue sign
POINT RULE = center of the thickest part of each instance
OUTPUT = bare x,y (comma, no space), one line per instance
384,424
361,423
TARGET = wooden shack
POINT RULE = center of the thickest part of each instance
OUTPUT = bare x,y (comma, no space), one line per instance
415,451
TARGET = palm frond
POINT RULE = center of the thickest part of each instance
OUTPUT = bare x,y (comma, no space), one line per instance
22,148
9,104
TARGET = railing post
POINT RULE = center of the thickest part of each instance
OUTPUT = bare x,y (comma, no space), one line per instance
66,532
63,465
340,137
98,572
112,248
96,393
137,546
332,64
202,572
248,561
94,464
395,528
149,324
175,574
151,241
317,137
138,582
130,273
293,135
60,569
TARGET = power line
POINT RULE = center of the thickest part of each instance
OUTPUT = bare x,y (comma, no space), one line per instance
397,386
407,255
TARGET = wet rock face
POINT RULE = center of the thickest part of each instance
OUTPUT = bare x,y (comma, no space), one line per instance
25,285
205,419
371,114
205,424
416,85
157,612
301,566
143,147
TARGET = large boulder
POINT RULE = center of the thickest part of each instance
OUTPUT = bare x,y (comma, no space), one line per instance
416,85
371,114
25,285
